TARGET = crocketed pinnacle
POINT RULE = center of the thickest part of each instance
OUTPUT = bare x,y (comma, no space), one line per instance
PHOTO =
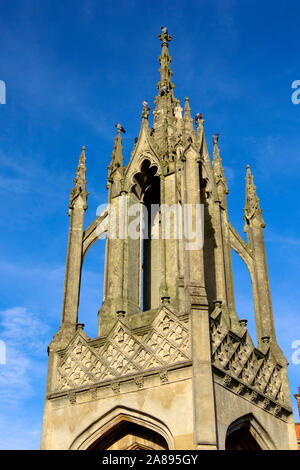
79,182
165,86
219,171
217,163
165,101
116,156
252,208
167,121
188,120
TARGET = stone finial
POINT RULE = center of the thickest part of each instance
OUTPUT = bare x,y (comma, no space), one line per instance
120,128
199,119
164,36
79,183
216,139
217,164
252,208
187,118
187,109
117,155
216,152
146,109
165,86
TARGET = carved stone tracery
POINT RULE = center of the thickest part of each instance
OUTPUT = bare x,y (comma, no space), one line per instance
239,360
124,353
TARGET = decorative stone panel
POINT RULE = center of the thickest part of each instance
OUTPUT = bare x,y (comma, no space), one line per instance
237,357
124,353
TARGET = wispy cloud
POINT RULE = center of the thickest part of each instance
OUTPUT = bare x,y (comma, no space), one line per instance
24,174
285,240
23,330
26,339
271,153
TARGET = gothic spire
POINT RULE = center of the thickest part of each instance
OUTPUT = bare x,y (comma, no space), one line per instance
165,101
252,208
167,107
79,182
165,86
117,155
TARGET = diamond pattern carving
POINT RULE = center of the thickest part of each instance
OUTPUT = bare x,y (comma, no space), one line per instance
238,356
123,353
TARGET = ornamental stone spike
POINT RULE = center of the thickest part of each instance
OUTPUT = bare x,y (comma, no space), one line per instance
252,208
187,118
165,102
79,182
117,155
219,171
165,60
145,110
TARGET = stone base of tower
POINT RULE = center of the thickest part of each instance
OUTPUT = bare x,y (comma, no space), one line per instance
136,389
157,413
153,413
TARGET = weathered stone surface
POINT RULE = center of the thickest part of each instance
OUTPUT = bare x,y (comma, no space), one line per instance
173,365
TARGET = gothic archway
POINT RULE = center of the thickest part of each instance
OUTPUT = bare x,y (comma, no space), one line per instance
246,433
126,435
124,429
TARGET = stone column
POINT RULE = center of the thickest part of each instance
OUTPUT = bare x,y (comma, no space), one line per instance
203,392
77,207
254,225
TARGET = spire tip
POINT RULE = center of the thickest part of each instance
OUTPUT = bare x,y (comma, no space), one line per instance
164,36
120,128
216,139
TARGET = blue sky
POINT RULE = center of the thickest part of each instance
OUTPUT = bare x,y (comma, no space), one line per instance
74,68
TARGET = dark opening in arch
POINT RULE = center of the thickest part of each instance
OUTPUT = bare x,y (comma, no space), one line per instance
241,439
126,435
147,189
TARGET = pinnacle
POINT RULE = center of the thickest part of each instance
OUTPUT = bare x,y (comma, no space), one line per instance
187,109
216,139
79,181
252,208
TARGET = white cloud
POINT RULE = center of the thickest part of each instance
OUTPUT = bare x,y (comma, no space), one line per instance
26,339
286,240
23,330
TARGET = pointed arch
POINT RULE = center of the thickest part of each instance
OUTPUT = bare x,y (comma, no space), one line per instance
137,167
112,427
145,189
247,433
